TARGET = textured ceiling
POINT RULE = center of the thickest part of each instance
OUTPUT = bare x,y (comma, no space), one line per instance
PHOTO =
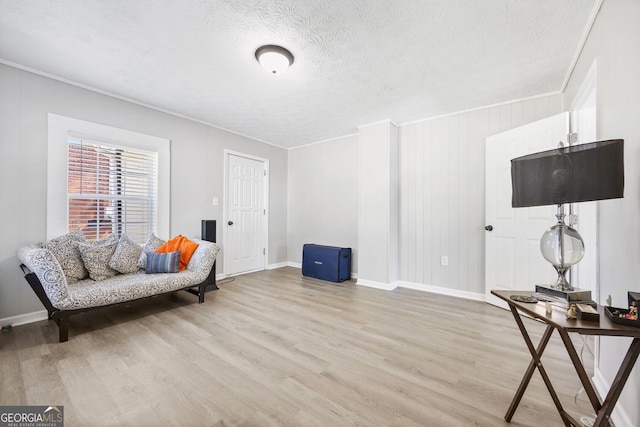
356,61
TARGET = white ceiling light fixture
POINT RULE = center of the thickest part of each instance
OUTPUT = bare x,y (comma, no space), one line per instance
274,59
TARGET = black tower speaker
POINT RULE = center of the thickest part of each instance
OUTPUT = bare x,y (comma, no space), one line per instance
209,230
209,234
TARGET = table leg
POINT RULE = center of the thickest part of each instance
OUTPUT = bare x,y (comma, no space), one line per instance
582,373
536,354
603,415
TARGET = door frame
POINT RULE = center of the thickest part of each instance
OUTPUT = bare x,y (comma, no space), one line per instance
588,87
225,198
587,214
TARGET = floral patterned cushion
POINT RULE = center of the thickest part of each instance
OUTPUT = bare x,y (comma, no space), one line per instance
96,256
152,244
65,251
45,265
125,258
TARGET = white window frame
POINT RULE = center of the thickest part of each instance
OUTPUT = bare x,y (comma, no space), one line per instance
59,130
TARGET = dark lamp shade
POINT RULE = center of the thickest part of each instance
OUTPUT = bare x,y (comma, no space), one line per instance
578,173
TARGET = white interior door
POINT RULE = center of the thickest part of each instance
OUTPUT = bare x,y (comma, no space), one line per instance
583,125
512,257
245,222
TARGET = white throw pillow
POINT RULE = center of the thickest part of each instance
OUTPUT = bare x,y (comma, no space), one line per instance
152,244
64,249
96,256
126,256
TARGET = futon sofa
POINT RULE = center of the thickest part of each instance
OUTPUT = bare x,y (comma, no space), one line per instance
63,296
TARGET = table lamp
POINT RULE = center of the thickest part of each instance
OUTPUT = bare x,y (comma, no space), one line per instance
577,173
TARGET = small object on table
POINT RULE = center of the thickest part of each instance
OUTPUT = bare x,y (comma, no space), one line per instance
587,313
548,307
572,312
633,311
524,298
626,316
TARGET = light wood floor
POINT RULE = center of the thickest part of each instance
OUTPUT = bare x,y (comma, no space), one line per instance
273,348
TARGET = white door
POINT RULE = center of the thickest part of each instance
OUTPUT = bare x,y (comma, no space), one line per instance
245,221
513,260
583,124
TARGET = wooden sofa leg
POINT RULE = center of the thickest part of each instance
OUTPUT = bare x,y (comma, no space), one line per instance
63,327
201,291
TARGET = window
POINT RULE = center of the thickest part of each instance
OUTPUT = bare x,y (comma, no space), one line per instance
111,190
104,180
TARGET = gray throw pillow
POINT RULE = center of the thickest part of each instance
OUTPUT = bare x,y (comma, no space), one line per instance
152,244
125,258
163,262
65,251
96,256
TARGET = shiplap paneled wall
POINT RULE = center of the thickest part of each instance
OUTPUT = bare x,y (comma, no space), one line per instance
442,193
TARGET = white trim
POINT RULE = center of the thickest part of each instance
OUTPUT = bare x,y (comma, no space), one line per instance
323,141
246,156
483,107
278,265
377,285
443,291
379,122
203,122
299,267
583,42
600,383
244,272
59,129
133,101
267,178
23,319
588,85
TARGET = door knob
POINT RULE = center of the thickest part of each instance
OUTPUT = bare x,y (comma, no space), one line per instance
489,227
230,223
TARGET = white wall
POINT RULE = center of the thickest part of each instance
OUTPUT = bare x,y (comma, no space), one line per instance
378,222
196,169
442,193
323,196
614,43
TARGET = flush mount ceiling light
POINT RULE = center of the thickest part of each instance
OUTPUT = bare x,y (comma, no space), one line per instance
274,59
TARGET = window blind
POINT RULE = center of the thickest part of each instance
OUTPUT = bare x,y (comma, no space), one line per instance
111,190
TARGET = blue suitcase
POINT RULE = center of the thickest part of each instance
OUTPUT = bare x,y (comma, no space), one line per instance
326,262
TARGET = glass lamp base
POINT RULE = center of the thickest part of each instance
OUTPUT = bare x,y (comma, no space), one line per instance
561,283
563,247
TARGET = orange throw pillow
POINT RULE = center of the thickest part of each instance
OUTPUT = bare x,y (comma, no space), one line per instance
182,244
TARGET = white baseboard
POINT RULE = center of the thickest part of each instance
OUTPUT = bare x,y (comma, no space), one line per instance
443,291
402,284
278,265
298,266
619,416
23,319
377,285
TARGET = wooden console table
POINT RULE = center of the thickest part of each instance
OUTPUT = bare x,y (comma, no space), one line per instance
557,321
